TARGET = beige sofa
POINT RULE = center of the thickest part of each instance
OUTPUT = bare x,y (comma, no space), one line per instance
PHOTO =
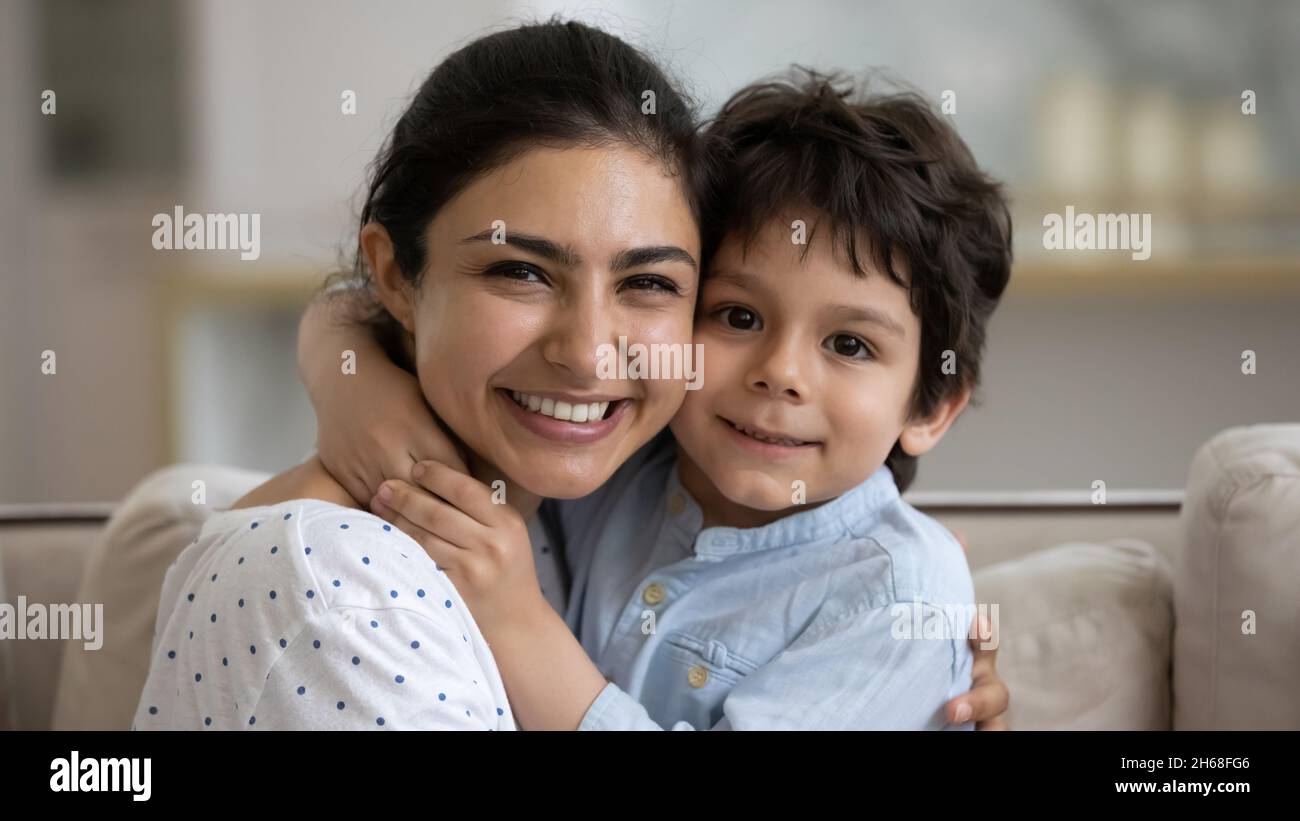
1151,611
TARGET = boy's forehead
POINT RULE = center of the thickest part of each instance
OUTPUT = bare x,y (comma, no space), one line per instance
790,243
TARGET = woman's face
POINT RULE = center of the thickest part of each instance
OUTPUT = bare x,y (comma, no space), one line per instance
532,269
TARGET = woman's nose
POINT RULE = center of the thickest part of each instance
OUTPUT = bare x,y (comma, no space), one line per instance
577,331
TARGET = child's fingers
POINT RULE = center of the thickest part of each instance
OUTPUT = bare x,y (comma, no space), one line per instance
382,510
433,444
441,551
428,512
988,696
461,490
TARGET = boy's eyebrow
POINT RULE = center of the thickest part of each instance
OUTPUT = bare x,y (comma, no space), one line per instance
739,279
566,257
862,313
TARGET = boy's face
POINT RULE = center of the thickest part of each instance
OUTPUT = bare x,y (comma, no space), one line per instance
808,372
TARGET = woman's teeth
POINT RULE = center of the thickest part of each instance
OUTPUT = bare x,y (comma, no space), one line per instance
789,443
564,411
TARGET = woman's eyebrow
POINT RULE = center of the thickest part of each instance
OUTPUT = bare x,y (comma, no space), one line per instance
649,255
566,257
542,247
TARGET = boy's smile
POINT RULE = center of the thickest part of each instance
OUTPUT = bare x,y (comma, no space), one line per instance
809,376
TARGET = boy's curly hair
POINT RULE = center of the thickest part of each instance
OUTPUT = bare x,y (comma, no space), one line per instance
890,179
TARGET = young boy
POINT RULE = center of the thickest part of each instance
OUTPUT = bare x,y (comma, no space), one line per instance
757,568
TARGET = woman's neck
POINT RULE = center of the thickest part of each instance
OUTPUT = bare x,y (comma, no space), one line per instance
523,501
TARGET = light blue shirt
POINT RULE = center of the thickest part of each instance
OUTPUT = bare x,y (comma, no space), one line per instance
850,615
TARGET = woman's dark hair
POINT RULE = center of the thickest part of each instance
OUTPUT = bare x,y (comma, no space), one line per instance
888,178
541,84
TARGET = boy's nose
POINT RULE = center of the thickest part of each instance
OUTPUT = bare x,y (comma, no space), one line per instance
780,373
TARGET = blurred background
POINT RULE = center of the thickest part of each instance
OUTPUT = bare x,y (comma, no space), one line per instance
1099,366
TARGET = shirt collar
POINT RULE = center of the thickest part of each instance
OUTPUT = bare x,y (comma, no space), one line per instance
846,515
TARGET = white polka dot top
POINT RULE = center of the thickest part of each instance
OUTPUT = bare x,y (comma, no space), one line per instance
309,615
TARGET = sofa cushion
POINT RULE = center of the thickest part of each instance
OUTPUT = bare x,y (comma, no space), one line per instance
99,689
1237,644
1085,633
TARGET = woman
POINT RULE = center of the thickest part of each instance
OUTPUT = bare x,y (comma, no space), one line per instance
313,613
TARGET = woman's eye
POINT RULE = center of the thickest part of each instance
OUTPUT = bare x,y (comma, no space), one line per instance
519,271
850,346
648,282
742,319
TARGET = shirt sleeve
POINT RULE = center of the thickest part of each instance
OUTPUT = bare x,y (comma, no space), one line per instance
859,673
360,668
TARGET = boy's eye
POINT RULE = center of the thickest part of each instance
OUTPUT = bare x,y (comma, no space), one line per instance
742,319
849,346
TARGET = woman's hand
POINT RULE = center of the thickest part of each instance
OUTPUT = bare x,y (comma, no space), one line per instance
372,423
481,544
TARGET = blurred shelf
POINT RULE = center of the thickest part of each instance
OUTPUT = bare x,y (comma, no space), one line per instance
278,283
1115,272
1281,203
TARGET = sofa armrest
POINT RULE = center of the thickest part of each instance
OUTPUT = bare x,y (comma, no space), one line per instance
1237,584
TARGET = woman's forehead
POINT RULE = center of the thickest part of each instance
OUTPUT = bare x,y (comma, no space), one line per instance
597,199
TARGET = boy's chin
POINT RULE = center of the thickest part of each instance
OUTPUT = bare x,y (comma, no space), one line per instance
760,492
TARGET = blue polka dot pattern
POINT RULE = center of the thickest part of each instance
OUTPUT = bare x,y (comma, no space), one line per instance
414,644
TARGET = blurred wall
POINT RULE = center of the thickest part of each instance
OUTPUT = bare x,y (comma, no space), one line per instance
1110,372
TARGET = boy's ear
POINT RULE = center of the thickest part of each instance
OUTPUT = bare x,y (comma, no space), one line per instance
393,289
920,435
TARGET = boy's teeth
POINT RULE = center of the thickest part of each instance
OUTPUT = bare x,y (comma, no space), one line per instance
564,411
768,439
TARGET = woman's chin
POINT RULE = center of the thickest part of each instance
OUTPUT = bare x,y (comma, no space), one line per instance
563,486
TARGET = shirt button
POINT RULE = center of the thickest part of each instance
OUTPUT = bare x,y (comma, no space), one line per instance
697,676
654,593
676,504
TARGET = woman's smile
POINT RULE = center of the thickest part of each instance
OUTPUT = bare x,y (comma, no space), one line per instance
553,418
